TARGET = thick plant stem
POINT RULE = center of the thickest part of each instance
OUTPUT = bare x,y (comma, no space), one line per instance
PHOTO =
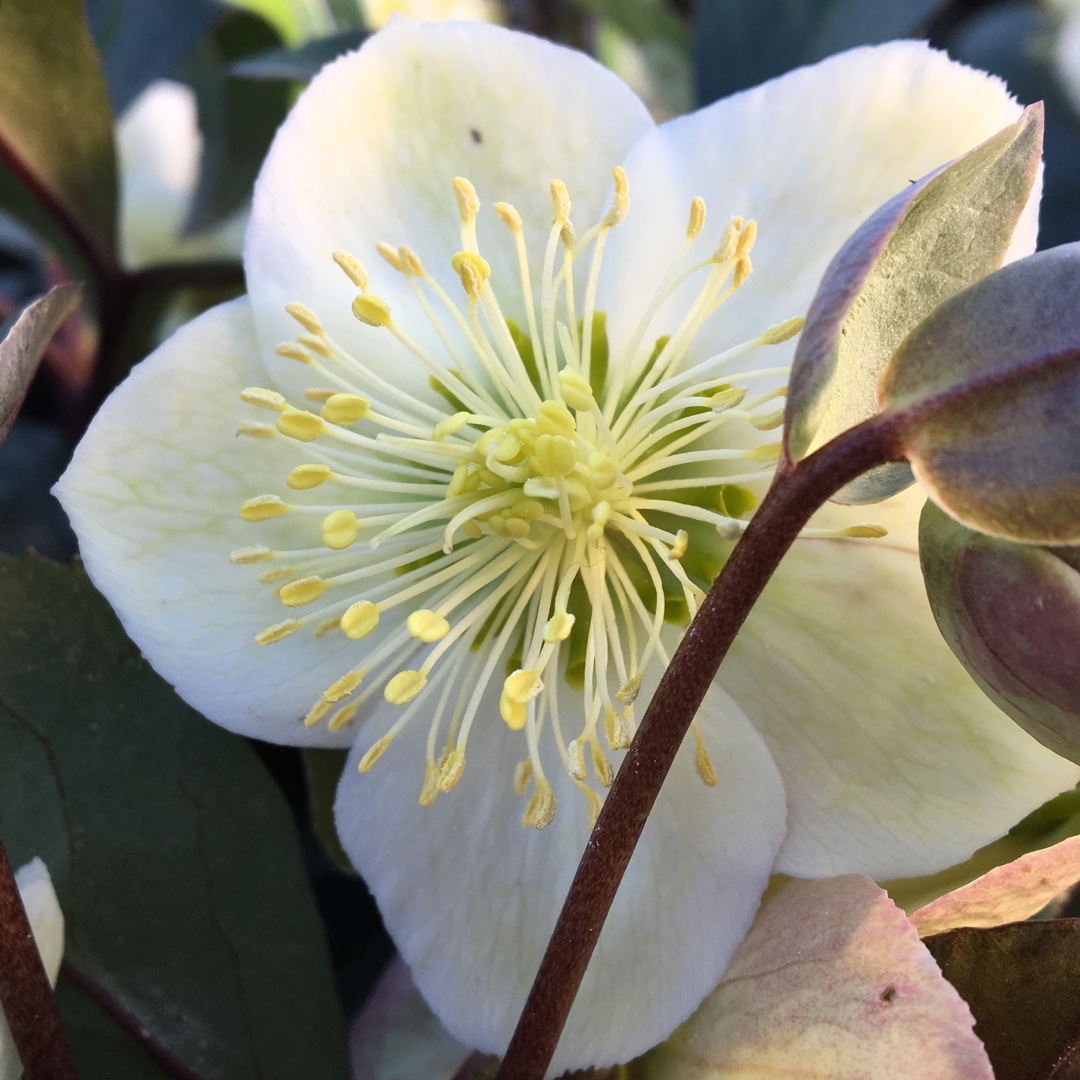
796,492
25,994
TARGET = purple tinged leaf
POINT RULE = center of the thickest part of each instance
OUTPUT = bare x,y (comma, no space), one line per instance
926,244
1009,612
987,393
21,350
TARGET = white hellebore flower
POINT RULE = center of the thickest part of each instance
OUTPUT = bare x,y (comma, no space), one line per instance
463,508
47,923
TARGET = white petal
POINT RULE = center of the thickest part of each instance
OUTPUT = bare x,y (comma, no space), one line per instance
808,155
470,896
371,149
47,924
153,494
895,764
832,983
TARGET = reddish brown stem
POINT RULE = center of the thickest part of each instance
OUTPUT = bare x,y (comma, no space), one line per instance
797,491
25,994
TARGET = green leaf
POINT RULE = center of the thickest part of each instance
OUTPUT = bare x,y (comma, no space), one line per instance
56,128
923,246
143,40
173,853
238,117
1009,612
1020,982
322,770
643,20
302,64
740,44
22,348
986,393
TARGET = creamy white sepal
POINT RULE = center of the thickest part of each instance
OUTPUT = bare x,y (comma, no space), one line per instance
894,762
808,155
370,151
470,897
47,923
154,493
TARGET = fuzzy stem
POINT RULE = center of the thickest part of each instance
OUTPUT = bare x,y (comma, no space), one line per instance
796,492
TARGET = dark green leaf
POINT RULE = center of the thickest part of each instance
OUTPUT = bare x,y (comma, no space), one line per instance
322,769
643,20
22,348
56,128
741,44
143,40
921,247
1009,612
173,853
1020,982
238,117
987,394
302,64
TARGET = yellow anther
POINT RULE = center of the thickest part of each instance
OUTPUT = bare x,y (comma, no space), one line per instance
390,254
697,218
339,529
256,429
346,685
558,627
321,394
601,765
404,686
300,424
472,530
360,619
305,317
373,755
522,772
304,477
316,713
516,528
278,631
427,625
527,509
467,201
302,591
620,204
727,398
767,452
411,261
430,791
575,390
602,470
743,269
371,310
255,554
768,421
568,235
272,577
782,331
555,418
729,240
314,343
353,269
293,352
541,808
594,803
617,729
342,716
345,409
507,448
515,713
265,399
523,685
262,508
560,198
628,694
682,542
575,759
701,760
868,529
473,271
450,426
327,627
511,218
555,455
746,240
451,770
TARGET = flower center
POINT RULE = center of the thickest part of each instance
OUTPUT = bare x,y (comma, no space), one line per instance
543,512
